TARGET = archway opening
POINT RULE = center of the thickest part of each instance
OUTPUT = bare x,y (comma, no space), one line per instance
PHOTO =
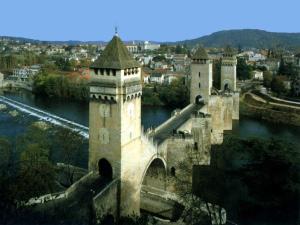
226,87
105,169
198,99
173,171
155,175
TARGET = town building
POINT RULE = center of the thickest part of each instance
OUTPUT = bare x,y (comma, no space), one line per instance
157,78
26,73
147,46
180,62
258,75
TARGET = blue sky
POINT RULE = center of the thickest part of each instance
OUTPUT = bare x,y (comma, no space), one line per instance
159,20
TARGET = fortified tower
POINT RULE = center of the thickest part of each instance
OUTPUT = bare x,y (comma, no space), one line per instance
115,120
201,77
228,70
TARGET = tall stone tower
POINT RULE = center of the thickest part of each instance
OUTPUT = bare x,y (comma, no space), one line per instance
115,120
228,70
201,76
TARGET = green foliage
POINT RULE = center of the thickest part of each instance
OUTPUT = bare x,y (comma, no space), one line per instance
179,49
159,58
60,85
244,71
64,64
11,61
277,85
150,97
267,79
175,95
70,144
253,178
5,152
36,171
287,69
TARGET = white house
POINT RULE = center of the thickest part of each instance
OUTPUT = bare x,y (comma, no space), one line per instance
258,75
23,74
157,78
150,46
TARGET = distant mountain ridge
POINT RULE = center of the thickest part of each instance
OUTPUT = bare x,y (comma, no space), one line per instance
70,42
246,38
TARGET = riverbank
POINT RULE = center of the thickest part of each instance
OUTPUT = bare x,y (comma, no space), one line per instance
254,106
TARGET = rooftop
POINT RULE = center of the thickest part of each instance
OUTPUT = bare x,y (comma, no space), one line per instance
228,51
115,56
200,54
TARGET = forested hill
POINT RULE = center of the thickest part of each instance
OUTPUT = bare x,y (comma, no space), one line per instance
247,38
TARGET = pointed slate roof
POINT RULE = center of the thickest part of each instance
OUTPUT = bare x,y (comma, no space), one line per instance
228,51
200,54
115,56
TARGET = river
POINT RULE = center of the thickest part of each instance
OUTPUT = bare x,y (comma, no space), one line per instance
151,117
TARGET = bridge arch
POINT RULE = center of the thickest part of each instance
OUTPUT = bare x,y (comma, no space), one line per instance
155,173
105,169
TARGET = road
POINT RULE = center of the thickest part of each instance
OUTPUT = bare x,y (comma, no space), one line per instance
166,131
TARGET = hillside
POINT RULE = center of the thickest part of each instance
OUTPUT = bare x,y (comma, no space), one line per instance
247,38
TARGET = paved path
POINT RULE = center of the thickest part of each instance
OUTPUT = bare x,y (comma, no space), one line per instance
260,99
166,131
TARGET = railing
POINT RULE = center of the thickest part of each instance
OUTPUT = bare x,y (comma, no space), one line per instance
54,119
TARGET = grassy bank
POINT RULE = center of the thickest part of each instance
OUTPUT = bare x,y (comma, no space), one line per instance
274,113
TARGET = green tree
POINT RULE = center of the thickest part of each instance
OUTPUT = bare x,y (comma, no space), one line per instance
243,70
36,174
256,176
175,95
5,152
70,144
267,79
277,85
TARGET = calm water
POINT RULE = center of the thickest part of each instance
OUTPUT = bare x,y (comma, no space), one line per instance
151,117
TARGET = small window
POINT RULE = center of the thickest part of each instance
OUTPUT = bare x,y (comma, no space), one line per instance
173,172
108,72
96,71
101,71
196,145
199,85
114,72
199,74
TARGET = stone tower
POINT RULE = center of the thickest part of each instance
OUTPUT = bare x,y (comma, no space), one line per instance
228,70
115,120
201,76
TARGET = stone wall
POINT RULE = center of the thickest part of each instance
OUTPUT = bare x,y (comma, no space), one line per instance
215,109
106,202
227,109
236,106
1,80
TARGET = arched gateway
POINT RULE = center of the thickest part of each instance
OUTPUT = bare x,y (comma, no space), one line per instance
105,169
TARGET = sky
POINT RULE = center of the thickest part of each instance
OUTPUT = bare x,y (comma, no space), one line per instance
155,20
